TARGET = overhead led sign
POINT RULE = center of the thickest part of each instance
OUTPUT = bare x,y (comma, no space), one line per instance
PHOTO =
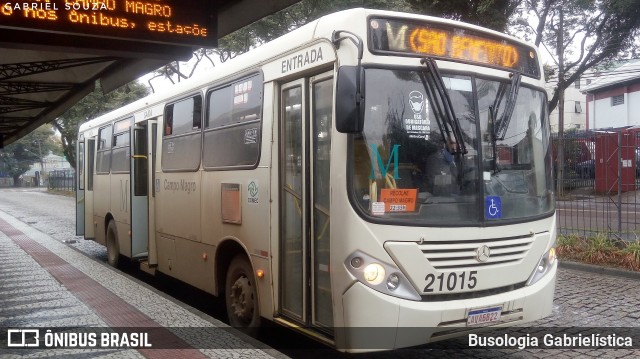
174,22
389,36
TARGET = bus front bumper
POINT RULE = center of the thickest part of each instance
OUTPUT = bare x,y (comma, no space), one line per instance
376,321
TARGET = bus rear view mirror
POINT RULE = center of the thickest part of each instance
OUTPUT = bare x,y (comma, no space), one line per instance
349,100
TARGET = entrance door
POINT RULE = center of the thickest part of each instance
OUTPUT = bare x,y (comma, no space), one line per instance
80,155
141,172
305,136
89,167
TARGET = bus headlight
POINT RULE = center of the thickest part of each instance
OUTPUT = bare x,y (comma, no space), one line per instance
393,281
378,275
374,273
544,265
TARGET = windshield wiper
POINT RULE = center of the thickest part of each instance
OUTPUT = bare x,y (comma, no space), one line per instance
498,129
494,141
444,113
505,119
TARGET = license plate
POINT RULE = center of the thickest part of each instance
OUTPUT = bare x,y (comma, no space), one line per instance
484,316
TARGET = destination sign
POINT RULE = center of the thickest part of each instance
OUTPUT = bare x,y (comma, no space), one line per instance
188,23
390,36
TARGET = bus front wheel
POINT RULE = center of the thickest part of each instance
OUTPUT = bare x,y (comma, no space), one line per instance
241,296
113,247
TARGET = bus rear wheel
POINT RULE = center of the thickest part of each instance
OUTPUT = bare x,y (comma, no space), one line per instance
241,296
113,247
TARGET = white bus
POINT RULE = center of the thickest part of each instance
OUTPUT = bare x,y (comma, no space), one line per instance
369,170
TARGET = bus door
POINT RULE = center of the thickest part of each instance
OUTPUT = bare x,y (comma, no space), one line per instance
141,181
305,136
80,159
89,168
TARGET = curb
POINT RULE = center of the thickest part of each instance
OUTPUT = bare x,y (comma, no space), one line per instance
599,269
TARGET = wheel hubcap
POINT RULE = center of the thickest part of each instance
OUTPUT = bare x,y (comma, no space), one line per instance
242,299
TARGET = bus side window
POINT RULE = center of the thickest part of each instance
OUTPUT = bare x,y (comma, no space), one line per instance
168,120
103,157
181,146
197,112
233,124
120,162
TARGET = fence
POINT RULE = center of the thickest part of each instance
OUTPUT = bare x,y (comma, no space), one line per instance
63,180
599,185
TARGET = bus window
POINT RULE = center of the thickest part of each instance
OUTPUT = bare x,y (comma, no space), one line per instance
183,116
232,134
103,158
168,121
182,140
120,153
80,155
91,145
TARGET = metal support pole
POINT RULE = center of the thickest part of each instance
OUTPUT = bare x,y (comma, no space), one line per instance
619,209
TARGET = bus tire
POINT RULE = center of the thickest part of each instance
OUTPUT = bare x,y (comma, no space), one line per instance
241,296
113,247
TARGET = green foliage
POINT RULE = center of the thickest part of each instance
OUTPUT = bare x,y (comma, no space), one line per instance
490,13
583,33
282,22
493,14
90,107
599,243
549,72
16,158
567,241
599,250
633,248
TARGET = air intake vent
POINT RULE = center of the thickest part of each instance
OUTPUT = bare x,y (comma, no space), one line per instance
455,254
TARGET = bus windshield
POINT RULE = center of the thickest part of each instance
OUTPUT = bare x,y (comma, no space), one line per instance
405,171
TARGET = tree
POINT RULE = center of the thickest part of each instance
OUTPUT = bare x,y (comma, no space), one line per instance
493,14
92,106
270,28
17,158
584,33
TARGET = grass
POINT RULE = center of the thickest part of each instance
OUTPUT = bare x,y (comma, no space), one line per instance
599,250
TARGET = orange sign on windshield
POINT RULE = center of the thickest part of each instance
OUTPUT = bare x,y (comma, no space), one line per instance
399,200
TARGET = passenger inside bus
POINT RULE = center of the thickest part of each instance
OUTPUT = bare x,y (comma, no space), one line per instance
440,170
439,174
168,124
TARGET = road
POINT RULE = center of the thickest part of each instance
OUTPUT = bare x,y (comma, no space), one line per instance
583,299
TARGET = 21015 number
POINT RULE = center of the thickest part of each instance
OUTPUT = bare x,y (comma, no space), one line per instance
450,281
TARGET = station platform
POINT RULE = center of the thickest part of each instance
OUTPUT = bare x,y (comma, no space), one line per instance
57,302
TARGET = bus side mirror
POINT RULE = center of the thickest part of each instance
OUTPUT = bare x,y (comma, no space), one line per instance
349,99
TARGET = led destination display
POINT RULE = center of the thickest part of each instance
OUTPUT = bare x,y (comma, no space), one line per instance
176,22
451,42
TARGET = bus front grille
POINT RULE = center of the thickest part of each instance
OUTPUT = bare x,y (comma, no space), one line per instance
452,254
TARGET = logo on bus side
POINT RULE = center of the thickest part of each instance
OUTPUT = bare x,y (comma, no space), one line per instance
252,192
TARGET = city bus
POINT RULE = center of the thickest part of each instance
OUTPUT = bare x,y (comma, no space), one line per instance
372,179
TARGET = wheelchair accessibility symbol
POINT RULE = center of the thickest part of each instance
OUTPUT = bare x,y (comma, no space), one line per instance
492,207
